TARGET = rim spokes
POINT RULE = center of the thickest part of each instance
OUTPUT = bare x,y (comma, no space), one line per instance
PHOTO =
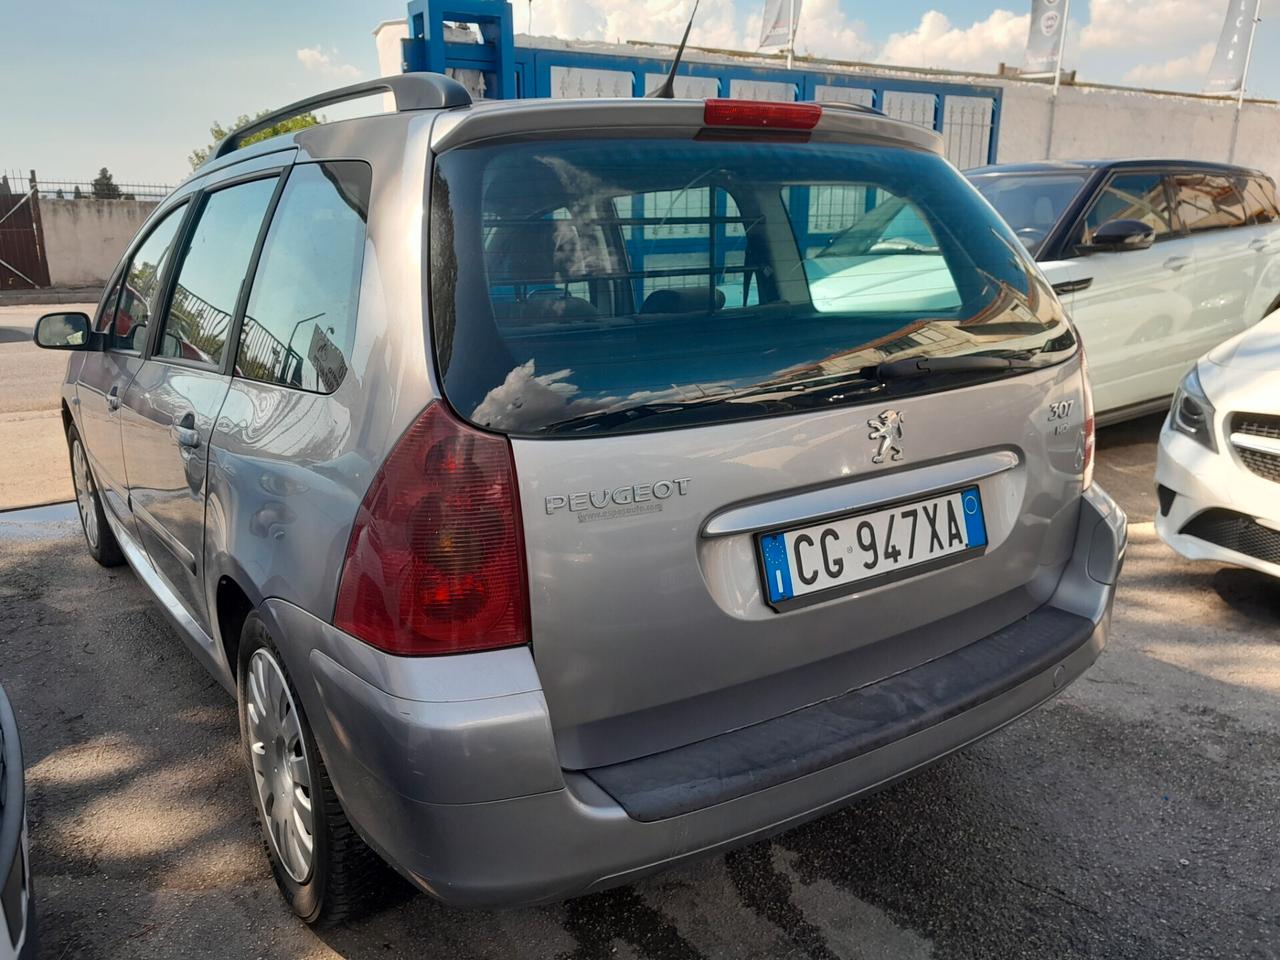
281,771
84,493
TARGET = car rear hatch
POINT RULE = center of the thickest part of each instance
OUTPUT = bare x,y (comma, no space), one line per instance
710,347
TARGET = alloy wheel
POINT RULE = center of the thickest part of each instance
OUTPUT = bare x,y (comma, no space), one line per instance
84,493
280,768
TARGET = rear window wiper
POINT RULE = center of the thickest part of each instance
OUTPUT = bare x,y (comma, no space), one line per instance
713,408
913,367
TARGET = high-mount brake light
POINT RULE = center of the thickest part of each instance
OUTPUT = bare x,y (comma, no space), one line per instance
761,113
435,563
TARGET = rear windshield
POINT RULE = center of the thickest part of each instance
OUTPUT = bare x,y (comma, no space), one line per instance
586,286
1030,203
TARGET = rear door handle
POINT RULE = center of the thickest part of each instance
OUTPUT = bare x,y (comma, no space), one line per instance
113,399
187,437
1176,263
184,431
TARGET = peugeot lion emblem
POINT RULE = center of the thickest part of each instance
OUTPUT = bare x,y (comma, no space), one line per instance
887,428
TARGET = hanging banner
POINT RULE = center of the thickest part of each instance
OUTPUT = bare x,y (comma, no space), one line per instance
1044,37
1226,75
777,28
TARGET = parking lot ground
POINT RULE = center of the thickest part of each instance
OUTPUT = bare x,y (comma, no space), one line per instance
33,458
1136,816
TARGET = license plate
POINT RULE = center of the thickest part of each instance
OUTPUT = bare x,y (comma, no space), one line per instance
866,549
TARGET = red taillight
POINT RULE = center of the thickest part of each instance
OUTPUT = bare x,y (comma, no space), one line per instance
1090,434
436,558
761,113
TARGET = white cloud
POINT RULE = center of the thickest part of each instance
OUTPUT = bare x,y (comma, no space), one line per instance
935,42
825,31
1115,24
325,63
1194,66
718,25
1158,42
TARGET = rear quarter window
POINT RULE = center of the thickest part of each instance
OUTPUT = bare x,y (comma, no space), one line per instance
300,322
1207,202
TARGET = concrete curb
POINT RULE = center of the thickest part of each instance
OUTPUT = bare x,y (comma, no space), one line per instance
17,298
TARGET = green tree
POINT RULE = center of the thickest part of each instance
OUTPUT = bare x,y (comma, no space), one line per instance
104,187
219,132
78,195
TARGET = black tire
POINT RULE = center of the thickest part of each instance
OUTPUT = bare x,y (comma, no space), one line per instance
104,547
346,876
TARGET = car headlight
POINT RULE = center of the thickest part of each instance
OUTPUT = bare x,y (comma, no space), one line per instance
1192,413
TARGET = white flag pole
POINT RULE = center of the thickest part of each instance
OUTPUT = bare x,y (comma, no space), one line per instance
1244,81
1062,45
791,42
1057,77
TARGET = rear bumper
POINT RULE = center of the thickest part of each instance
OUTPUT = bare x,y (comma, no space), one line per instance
454,777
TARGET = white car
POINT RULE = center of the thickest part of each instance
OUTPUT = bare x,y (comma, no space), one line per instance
1157,261
1218,470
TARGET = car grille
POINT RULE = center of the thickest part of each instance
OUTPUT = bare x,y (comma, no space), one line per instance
1258,425
1235,531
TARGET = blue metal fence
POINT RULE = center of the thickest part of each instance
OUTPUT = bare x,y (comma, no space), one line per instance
968,116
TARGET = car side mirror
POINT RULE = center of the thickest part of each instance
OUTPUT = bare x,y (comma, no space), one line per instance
1115,236
64,331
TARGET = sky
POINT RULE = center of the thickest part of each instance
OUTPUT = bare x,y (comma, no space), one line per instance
133,85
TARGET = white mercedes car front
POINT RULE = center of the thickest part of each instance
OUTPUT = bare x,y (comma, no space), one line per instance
1218,469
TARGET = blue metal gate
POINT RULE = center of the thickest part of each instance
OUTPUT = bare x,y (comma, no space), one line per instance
967,116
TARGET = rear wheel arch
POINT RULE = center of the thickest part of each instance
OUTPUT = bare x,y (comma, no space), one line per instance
232,606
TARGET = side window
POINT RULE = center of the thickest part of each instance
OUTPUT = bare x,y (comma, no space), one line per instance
1131,196
687,250
107,312
139,288
886,224
212,271
1259,199
884,236
300,322
1207,202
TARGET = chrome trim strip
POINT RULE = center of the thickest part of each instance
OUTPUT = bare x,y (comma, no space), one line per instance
859,494
1249,441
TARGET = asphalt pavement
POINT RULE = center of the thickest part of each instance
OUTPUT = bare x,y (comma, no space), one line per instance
1136,816
33,457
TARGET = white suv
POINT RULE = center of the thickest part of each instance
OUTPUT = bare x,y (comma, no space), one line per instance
1157,261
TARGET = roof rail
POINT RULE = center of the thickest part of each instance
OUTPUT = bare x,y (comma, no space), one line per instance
852,107
412,91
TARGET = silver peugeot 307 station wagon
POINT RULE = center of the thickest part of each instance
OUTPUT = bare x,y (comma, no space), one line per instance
568,488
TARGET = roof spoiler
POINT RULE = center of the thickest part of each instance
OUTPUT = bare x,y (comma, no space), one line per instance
412,91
